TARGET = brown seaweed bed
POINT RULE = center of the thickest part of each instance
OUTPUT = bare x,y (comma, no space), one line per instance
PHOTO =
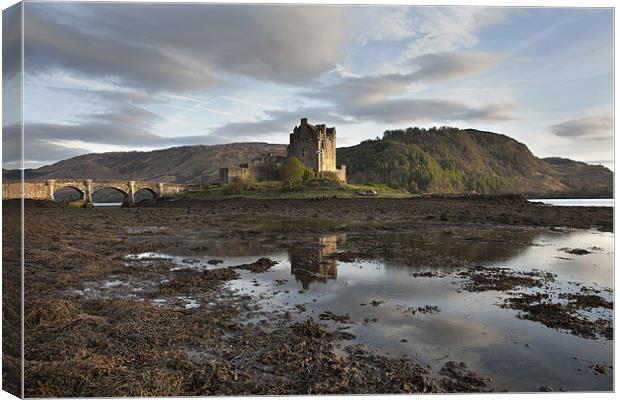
539,307
100,324
123,348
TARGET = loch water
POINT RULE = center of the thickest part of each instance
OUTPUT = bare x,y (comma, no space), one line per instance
576,202
461,326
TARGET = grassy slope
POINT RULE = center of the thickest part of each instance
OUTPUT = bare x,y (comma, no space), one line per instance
276,190
452,160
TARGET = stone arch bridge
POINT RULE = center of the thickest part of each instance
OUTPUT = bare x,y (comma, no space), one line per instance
44,190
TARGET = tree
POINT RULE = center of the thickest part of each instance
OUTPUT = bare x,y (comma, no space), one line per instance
291,171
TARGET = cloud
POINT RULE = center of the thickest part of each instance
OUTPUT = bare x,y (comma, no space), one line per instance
114,97
379,98
600,162
379,23
409,110
124,123
594,127
364,89
129,116
425,68
127,125
103,133
425,30
444,29
141,54
276,122
451,65
91,132
37,149
11,43
48,142
51,46
172,48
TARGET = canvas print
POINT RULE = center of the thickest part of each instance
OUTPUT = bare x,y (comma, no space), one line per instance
204,199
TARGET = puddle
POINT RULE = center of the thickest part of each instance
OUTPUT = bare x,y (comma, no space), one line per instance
399,304
186,302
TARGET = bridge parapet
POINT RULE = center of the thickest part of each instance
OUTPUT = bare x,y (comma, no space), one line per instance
44,190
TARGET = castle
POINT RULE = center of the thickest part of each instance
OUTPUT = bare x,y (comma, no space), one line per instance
313,145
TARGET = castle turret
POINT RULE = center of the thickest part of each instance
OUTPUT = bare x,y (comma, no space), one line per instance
315,146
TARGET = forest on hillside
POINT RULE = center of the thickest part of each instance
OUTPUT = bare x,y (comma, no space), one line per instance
452,160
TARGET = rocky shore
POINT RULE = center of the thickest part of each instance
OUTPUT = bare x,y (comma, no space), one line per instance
96,325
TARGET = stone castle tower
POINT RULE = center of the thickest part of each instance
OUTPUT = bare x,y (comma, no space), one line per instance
315,146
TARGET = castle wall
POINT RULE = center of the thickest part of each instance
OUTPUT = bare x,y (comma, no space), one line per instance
341,173
303,145
313,145
306,140
227,174
328,153
266,167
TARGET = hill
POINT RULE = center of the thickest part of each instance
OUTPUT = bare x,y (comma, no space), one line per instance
582,180
196,164
440,160
452,160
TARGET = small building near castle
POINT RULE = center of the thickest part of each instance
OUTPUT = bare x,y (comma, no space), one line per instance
313,145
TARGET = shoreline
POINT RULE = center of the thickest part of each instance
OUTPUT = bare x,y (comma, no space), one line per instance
80,298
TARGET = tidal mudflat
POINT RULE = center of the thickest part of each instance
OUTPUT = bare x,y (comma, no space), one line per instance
324,296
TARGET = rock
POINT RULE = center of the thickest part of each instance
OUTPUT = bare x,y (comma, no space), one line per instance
260,265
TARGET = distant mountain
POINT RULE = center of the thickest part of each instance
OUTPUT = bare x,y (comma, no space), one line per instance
199,164
450,160
446,160
581,179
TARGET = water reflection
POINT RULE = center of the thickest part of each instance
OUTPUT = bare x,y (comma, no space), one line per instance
447,247
313,259
310,262
519,355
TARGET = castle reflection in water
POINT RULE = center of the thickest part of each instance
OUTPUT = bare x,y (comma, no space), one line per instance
313,262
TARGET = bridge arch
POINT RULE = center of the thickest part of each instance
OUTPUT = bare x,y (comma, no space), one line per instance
62,193
145,194
121,187
99,191
152,187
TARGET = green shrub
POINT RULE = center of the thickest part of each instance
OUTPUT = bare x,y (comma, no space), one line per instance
240,185
308,175
291,171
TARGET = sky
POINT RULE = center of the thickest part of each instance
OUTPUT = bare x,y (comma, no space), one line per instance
119,77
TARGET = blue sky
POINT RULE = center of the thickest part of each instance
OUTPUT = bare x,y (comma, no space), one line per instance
114,77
